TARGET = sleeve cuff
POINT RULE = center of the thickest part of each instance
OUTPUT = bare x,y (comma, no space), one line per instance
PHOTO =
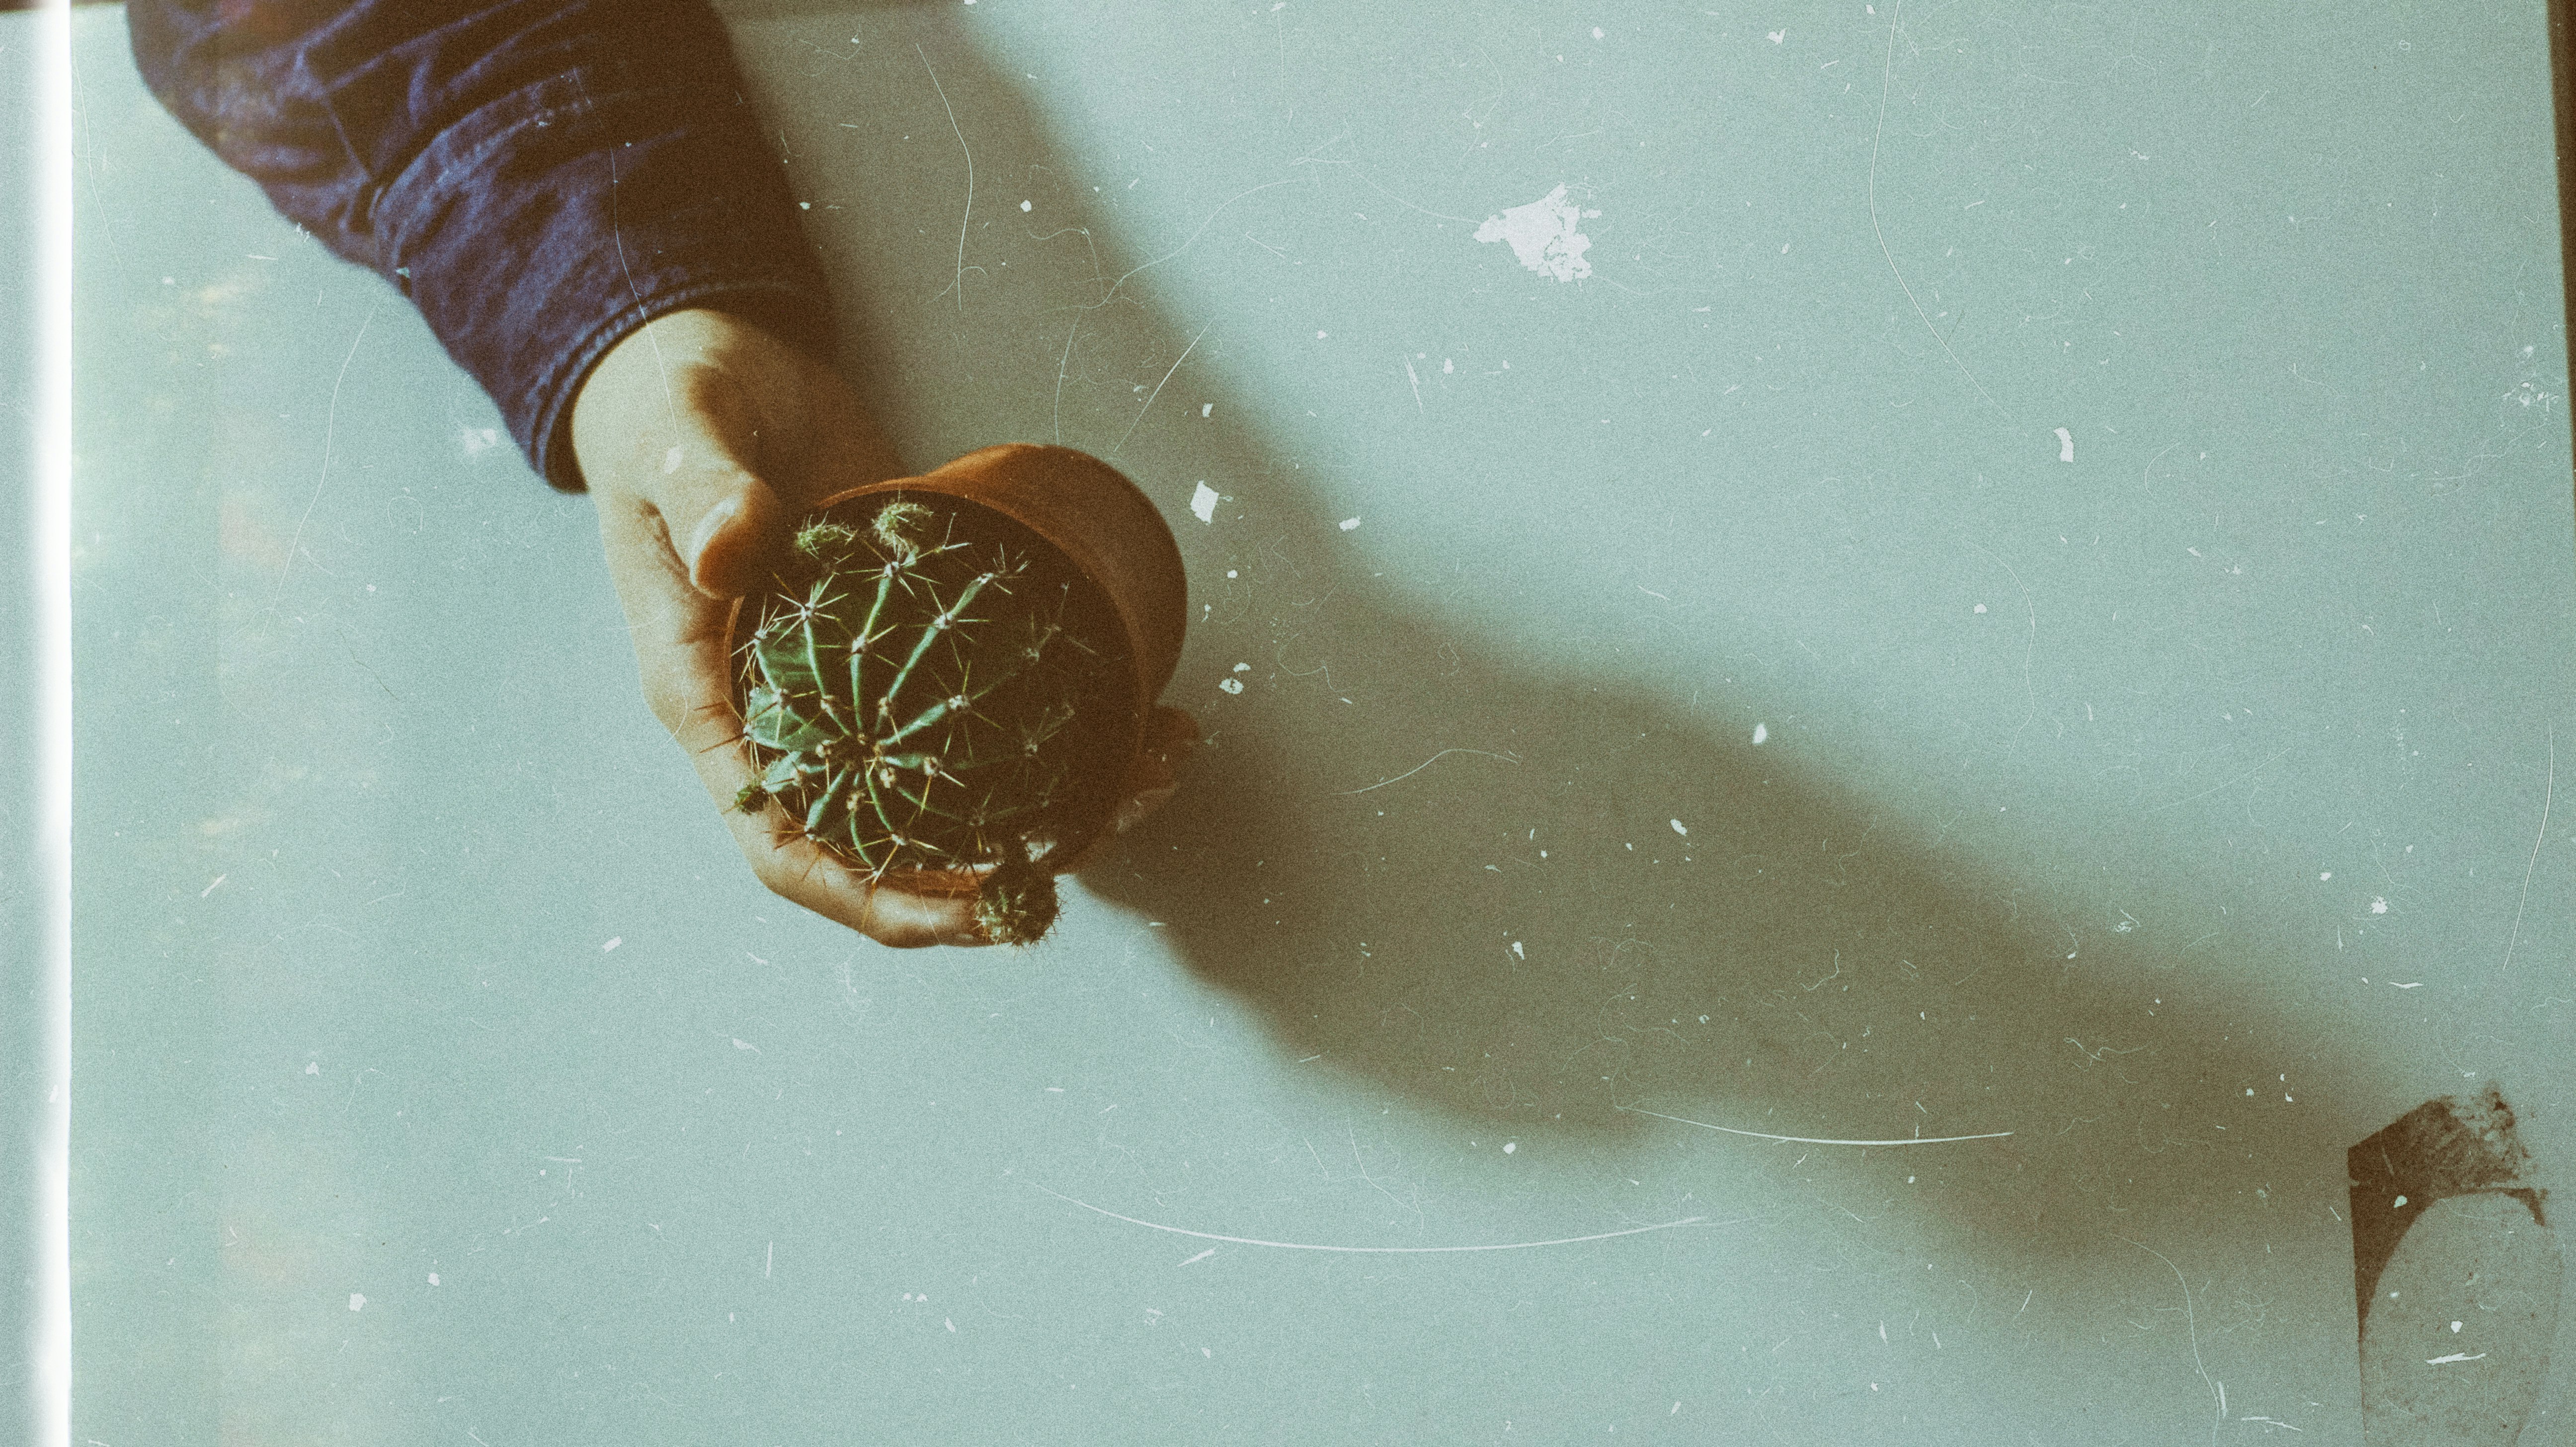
551,222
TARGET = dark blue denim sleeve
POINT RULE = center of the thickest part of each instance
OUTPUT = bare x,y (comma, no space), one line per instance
538,176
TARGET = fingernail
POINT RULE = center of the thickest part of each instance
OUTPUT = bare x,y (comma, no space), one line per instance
717,516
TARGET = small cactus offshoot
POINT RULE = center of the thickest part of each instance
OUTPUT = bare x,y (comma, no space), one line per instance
931,686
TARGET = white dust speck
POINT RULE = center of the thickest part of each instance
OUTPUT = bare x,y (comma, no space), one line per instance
671,461
808,205
1319,336
2322,878
1349,523
2453,1357
951,1322
1448,364
1510,1146
1203,503
1678,829
1243,668
1517,952
2065,445
1203,1351
1776,37
1542,234
1230,685
2401,1201
740,1044
478,440
220,878
1981,607
1761,732
357,1301
2378,904
613,943
311,1069
1596,32
1024,205
1206,407
433,1278
2455,1326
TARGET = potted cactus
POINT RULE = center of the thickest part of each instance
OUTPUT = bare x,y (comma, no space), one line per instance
948,681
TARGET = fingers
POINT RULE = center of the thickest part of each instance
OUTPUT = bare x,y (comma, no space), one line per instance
681,635
1171,736
796,867
727,525
792,864
698,438
1153,776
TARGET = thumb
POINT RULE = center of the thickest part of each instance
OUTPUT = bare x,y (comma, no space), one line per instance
727,526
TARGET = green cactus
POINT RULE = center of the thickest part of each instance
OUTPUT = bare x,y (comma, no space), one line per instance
935,687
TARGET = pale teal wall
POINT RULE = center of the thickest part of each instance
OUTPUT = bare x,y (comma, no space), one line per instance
1731,711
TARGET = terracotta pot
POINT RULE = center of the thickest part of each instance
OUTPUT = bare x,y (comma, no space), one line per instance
1110,531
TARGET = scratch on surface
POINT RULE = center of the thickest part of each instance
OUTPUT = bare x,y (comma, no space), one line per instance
2191,1325
2214,788
1803,1140
1060,365
2096,1055
1177,250
1158,386
330,421
2547,789
2146,486
627,268
960,282
1427,763
1393,1250
1886,72
1400,201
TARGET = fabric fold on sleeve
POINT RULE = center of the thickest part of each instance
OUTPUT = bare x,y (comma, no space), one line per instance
541,177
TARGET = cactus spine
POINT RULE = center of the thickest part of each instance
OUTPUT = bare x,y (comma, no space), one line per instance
931,690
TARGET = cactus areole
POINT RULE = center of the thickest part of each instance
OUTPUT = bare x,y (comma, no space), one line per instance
939,694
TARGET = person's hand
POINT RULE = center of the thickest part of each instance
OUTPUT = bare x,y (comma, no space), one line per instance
703,437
